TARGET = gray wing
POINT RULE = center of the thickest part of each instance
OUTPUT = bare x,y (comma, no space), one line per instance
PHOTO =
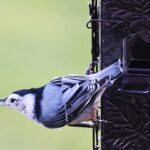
78,92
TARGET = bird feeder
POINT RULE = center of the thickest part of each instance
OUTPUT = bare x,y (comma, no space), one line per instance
121,30
125,34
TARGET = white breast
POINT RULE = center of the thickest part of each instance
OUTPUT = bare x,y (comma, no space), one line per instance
28,103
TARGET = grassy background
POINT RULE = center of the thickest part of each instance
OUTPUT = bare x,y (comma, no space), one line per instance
41,39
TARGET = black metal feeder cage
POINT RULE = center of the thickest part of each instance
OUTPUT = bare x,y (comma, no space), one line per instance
125,35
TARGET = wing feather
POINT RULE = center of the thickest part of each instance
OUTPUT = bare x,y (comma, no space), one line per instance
77,93
80,93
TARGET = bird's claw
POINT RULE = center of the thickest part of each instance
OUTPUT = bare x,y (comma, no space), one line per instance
90,68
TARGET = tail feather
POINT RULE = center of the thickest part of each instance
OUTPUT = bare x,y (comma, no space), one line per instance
113,71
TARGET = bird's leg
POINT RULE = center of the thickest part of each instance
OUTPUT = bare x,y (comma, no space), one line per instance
90,68
94,114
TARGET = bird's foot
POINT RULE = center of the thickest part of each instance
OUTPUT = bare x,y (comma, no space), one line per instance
90,68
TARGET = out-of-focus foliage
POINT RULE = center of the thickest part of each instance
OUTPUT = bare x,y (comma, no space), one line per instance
40,39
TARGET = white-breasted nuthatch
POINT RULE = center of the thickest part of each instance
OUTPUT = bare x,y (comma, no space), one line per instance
66,100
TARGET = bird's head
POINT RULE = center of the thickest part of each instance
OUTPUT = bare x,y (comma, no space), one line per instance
22,101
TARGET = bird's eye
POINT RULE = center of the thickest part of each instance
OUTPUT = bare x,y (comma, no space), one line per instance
12,100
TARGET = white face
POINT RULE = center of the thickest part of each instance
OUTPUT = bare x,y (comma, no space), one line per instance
24,104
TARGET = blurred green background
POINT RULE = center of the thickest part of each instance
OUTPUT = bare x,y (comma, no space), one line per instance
41,39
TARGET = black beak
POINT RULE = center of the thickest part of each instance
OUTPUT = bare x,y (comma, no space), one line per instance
2,102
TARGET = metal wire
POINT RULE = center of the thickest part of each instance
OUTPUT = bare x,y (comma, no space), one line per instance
95,51
88,25
93,7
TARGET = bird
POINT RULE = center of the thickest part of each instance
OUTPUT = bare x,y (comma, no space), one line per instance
66,100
